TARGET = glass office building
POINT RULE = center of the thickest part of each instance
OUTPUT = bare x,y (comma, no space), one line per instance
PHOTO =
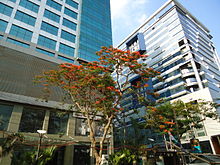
180,47
66,30
35,36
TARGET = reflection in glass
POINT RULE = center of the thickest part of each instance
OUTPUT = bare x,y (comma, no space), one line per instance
5,114
31,120
57,123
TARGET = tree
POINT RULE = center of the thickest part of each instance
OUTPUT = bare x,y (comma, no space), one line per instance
29,158
92,90
9,144
179,117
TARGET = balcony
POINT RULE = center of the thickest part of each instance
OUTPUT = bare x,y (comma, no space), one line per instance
187,72
191,82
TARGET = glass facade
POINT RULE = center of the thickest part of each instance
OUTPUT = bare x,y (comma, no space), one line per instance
51,16
5,114
70,13
45,52
95,28
46,42
21,33
31,120
29,5
3,25
25,18
69,24
57,123
65,59
68,36
18,43
54,5
66,50
72,3
5,9
49,28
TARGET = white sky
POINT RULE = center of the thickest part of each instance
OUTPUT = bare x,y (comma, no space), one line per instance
127,15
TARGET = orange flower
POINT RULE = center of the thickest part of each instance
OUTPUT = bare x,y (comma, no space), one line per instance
146,85
162,126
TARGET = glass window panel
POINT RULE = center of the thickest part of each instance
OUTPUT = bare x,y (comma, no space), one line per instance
31,120
5,115
72,3
25,18
68,36
49,28
65,59
18,43
54,5
3,25
21,33
46,42
12,0
81,127
70,13
66,50
1,37
57,123
51,16
45,52
69,24
29,5
5,9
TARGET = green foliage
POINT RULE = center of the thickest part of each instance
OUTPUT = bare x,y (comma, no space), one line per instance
9,143
179,117
123,157
29,158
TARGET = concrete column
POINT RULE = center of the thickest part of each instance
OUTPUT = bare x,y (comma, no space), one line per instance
68,155
71,126
13,126
197,74
15,119
46,120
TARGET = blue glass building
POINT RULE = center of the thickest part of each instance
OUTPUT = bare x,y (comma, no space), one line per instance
67,30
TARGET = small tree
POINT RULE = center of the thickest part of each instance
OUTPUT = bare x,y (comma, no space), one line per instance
179,117
92,90
9,144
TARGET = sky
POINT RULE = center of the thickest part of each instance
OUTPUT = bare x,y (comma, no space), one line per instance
127,15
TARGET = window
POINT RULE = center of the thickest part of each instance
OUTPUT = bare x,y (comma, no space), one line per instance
25,18
57,123
12,0
69,24
6,10
29,5
54,5
70,13
81,127
45,52
21,33
1,37
31,120
3,25
65,59
49,28
52,16
17,43
68,36
66,50
5,115
46,42
72,3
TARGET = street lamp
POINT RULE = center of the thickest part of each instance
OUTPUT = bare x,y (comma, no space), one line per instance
41,133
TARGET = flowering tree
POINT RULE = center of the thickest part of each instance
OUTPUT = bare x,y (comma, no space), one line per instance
179,117
93,91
